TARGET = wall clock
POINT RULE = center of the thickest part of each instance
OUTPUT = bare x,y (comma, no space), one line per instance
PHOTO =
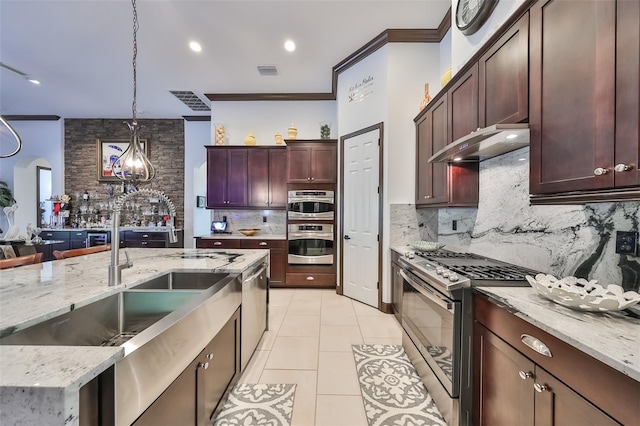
471,14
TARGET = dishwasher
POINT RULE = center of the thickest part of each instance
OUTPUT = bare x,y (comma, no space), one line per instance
254,311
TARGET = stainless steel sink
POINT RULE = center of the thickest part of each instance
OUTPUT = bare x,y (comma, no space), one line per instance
183,281
107,322
162,326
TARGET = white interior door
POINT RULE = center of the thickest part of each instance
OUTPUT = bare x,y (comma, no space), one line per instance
360,227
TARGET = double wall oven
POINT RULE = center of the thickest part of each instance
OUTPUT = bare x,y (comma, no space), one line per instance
311,238
436,316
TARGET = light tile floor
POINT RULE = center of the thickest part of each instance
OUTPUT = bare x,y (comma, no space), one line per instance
309,344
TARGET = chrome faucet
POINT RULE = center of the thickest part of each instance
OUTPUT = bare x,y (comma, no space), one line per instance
115,268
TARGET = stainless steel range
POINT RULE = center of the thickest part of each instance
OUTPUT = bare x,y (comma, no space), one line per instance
437,320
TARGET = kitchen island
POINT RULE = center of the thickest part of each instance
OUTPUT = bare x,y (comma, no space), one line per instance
40,384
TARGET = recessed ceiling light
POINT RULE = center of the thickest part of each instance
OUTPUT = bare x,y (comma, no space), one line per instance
512,136
289,46
34,81
195,46
457,159
522,159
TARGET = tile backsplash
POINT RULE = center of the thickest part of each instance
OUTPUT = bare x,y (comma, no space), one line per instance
238,219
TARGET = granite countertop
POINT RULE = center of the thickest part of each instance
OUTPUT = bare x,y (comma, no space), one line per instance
612,338
34,293
239,236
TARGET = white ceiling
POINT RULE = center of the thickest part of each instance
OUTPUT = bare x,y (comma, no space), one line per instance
81,50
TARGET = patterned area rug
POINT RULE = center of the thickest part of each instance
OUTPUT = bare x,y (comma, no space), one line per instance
392,390
260,404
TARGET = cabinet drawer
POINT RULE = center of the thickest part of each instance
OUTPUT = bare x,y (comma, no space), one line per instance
615,393
78,235
262,244
55,235
311,279
211,243
142,236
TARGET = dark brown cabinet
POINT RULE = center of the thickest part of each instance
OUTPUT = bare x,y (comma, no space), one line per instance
584,97
503,78
517,385
441,184
311,161
267,179
193,398
462,105
277,253
226,177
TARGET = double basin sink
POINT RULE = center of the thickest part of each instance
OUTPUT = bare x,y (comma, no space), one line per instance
162,324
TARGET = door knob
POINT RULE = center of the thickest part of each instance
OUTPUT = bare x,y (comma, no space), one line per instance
600,171
346,237
622,167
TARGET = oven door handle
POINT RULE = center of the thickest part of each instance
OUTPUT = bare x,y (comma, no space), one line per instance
310,236
445,304
311,200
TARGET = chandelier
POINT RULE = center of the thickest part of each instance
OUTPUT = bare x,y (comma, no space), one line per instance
133,165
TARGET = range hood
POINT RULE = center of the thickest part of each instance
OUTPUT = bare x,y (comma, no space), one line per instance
484,143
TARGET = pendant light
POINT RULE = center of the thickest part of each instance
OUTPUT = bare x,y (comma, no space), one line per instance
15,136
133,165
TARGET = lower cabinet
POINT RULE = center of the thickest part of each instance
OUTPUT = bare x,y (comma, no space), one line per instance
516,385
396,290
194,397
277,253
149,239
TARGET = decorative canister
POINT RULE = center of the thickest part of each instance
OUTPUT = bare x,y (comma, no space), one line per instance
292,132
219,134
250,139
278,139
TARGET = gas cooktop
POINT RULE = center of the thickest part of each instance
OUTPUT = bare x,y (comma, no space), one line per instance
451,270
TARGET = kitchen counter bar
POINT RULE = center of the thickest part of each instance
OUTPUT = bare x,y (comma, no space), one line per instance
611,338
53,375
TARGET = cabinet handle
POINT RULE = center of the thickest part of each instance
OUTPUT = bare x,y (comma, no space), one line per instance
622,167
540,388
308,178
145,236
310,278
313,178
204,365
524,375
217,243
209,356
600,171
144,243
535,344
427,196
262,243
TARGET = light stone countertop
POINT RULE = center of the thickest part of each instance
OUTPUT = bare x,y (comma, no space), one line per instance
53,375
239,236
612,338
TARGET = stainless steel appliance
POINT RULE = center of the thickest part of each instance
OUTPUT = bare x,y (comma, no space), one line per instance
311,205
254,311
97,238
437,320
310,243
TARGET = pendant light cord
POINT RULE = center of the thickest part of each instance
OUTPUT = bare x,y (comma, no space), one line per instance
135,56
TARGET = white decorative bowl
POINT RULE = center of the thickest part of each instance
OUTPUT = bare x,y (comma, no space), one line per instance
426,245
583,295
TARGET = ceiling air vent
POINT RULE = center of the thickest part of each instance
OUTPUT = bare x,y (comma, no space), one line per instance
267,70
191,100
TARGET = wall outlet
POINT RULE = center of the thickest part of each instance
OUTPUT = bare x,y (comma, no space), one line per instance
264,219
627,243
454,225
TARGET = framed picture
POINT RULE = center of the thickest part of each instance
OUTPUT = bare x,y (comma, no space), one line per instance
201,201
108,151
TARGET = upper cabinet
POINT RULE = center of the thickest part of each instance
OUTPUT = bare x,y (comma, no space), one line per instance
584,100
226,177
452,184
503,74
311,161
239,177
267,184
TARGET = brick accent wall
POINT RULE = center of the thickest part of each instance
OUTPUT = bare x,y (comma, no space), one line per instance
166,152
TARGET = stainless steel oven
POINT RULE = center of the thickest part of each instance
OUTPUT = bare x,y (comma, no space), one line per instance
310,243
432,320
311,205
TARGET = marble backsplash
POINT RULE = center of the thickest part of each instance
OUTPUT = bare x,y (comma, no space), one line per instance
561,240
411,224
238,219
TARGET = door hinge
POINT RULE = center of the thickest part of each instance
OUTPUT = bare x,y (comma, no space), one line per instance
378,285
378,190
378,141
378,237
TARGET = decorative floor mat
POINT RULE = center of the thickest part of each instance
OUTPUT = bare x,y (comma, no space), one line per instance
392,391
258,404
